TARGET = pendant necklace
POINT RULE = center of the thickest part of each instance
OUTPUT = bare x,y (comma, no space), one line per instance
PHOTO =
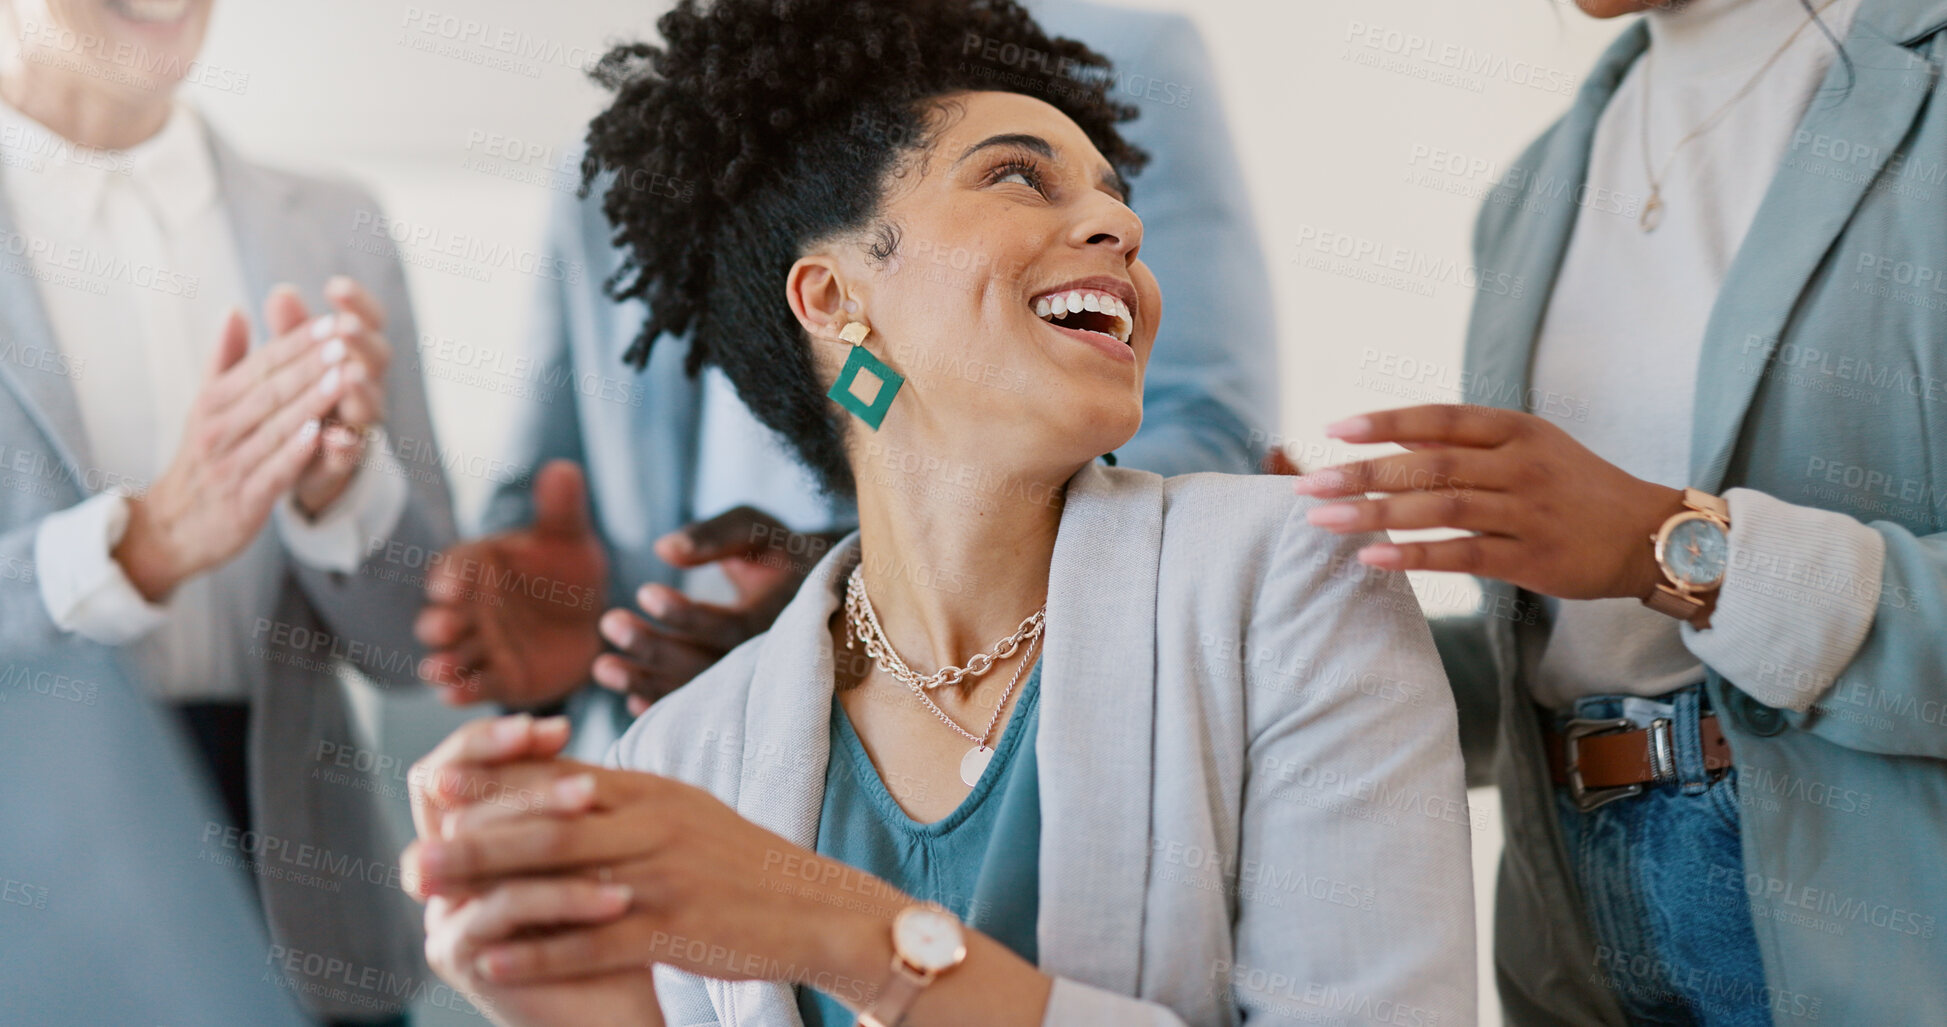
862,627
1653,206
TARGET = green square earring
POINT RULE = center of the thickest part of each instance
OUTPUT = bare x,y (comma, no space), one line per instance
866,385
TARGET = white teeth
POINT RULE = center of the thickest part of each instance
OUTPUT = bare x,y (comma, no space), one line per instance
1060,304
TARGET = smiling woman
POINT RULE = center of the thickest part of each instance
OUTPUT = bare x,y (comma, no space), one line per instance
862,117
1206,800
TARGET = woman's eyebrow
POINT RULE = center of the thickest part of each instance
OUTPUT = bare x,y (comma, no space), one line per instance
1032,143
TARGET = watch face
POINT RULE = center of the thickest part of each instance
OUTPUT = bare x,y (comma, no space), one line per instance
930,939
1696,552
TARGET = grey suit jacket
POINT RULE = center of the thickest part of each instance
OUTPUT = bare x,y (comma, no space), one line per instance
325,870
1250,780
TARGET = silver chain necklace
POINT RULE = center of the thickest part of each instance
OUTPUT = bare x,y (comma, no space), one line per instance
863,622
862,626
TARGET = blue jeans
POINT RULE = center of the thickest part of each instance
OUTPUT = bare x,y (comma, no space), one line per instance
1662,876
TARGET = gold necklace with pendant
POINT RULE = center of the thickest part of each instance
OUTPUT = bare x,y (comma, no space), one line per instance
1653,206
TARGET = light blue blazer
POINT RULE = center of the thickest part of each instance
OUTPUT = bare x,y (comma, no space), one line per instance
1209,399
1823,382
106,915
1251,790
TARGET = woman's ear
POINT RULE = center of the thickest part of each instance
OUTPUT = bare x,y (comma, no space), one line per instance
816,293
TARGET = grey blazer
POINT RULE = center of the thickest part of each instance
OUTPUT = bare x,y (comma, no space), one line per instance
326,882
1250,782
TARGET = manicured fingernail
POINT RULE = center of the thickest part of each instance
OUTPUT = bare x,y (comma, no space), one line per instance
654,603
1337,515
618,628
573,791
308,429
512,730
1318,481
617,894
323,327
1349,427
486,967
432,860
349,322
333,351
1380,555
329,383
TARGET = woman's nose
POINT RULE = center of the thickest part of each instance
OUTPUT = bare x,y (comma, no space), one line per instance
1110,223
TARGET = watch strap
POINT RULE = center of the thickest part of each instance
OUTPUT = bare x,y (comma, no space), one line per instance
902,988
1704,502
1672,603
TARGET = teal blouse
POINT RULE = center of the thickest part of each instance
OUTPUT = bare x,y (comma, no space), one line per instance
982,860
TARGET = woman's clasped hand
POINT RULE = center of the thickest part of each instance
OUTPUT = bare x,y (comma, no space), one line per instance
552,886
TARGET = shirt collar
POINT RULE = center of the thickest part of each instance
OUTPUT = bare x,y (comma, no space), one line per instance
172,169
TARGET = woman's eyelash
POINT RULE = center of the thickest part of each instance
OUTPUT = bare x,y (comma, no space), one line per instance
1026,169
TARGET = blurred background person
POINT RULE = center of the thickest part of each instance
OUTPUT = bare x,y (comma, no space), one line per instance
203,495
1714,480
688,477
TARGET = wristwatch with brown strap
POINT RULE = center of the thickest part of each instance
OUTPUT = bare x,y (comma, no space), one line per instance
927,941
1693,551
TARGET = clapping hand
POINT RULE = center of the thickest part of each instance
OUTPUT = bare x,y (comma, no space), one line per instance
764,561
511,618
253,433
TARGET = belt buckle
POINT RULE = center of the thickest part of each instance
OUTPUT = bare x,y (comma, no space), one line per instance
1587,799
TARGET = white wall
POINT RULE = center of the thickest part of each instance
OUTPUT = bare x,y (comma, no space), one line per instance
1373,124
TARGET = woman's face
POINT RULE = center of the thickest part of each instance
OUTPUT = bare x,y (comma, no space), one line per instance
116,45
1009,211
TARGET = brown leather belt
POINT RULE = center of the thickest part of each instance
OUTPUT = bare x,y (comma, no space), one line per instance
1600,761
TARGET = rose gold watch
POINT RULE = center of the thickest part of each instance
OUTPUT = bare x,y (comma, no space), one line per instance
1693,552
927,941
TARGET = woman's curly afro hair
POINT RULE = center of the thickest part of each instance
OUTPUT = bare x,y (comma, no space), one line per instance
763,127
